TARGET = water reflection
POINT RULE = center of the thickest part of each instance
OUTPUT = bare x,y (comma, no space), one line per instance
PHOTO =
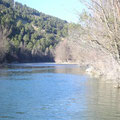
53,92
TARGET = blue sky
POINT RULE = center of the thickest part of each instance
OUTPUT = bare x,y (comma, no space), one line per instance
64,9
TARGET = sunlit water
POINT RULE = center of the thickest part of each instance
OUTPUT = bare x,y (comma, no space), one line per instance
55,92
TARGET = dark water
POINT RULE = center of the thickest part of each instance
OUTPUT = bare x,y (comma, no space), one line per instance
55,92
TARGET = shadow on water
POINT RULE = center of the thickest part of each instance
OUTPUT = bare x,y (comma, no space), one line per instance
53,92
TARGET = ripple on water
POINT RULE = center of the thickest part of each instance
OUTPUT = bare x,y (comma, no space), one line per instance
20,113
9,117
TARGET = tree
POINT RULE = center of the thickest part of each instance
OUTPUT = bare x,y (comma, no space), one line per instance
26,38
4,46
19,23
95,41
62,53
104,22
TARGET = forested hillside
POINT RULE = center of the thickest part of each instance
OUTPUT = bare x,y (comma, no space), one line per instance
26,34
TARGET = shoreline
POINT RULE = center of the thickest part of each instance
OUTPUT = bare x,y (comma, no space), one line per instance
88,70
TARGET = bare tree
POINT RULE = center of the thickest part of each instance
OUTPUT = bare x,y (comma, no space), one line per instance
4,32
102,28
96,42
103,24
63,53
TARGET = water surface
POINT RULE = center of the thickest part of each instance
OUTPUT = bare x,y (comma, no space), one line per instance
55,92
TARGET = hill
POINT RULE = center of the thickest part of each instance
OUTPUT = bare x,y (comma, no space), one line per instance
28,35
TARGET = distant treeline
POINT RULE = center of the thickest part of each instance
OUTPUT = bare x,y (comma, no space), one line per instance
27,35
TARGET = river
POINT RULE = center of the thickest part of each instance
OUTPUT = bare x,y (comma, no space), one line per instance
40,91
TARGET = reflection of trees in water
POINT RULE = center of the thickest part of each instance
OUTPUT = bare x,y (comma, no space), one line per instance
18,70
12,71
103,100
69,69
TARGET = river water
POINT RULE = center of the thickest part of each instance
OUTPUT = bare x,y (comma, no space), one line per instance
55,92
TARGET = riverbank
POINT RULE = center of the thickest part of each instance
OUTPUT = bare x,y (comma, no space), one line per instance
109,76
87,69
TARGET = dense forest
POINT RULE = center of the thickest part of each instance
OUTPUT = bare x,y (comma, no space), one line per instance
27,35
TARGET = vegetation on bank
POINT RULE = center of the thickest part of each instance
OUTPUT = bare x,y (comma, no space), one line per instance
28,35
95,41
